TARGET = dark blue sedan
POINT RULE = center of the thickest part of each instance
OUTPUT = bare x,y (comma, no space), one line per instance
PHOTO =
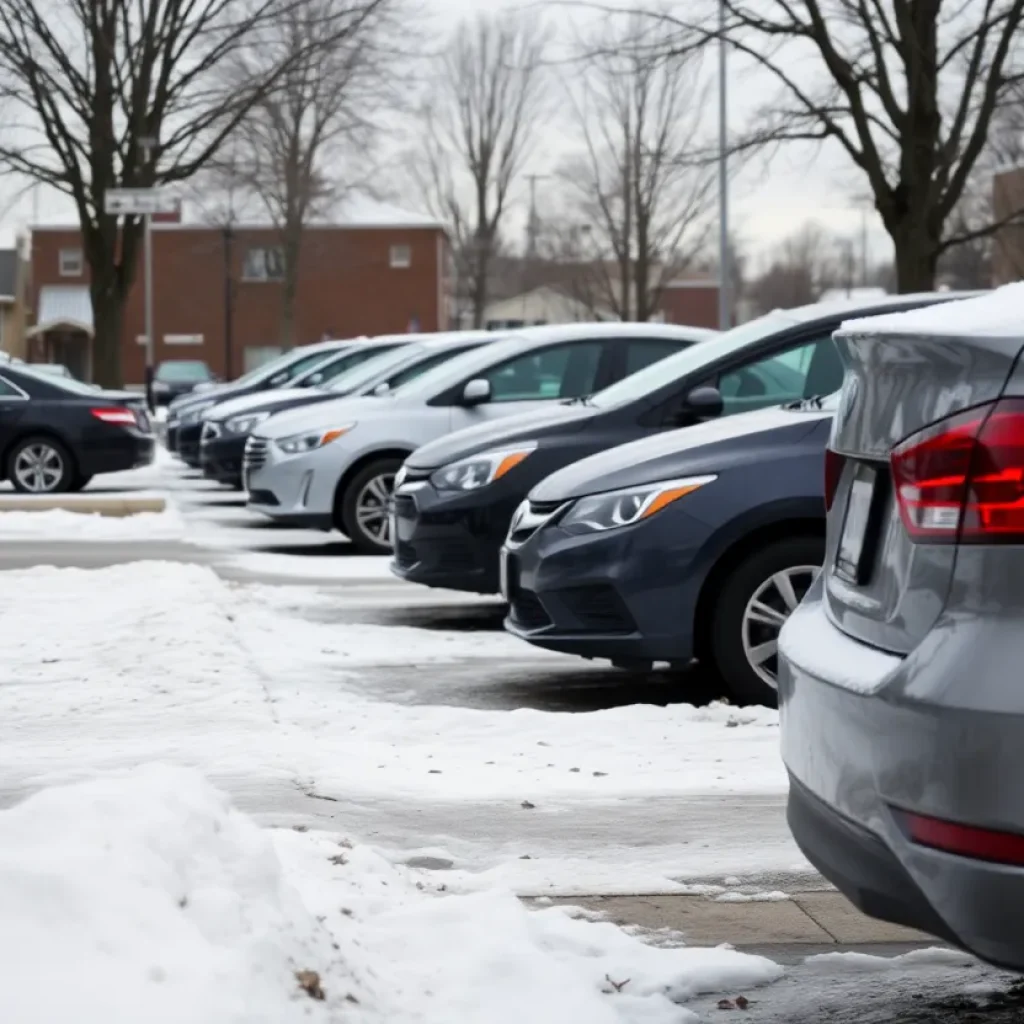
697,543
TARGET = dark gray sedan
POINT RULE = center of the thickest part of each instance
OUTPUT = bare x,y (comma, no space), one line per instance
900,674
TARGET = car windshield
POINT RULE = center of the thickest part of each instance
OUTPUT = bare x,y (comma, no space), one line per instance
292,361
689,359
187,371
379,366
329,367
462,367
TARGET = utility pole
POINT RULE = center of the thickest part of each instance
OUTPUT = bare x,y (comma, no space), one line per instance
724,261
148,144
533,226
229,299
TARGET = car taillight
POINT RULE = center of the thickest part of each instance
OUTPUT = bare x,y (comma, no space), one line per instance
963,840
834,463
121,417
963,479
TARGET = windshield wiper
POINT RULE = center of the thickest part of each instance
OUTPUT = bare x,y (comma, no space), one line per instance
578,400
813,402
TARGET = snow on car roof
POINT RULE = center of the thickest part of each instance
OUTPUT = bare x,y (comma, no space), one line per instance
997,313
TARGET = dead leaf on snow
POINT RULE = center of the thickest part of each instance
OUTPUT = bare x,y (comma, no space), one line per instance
309,982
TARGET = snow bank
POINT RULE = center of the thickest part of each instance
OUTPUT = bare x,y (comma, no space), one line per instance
63,525
148,898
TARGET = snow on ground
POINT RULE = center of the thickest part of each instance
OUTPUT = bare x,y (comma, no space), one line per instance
259,563
111,667
147,897
63,525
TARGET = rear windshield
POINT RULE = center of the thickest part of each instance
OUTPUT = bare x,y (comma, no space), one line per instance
183,370
68,384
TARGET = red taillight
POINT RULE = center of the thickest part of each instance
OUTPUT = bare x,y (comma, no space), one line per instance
963,479
834,463
120,417
965,840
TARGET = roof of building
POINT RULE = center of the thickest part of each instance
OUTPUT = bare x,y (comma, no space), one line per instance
354,212
63,305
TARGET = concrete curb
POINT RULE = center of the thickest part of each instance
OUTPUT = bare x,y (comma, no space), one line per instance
104,505
812,918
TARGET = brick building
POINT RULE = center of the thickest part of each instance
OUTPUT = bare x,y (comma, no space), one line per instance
1008,241
381,271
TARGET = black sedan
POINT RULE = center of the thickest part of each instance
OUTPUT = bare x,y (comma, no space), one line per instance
57,434
695,544
456,496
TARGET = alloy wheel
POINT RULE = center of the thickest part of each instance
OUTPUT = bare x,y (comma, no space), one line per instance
767,610
39,467
372,509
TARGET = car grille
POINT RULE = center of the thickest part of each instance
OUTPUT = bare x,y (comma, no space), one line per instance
528,612
255,451
597,607
405,506
210,430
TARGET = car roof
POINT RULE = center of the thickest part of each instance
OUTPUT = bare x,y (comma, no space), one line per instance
881,304
609,329
996,313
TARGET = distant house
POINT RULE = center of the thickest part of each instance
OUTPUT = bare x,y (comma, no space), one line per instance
544,305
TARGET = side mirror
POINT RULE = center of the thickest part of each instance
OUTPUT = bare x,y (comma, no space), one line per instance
382,388
476,392
703,403
311,382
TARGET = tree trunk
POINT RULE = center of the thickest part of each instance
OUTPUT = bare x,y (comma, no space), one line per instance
916,261
107,316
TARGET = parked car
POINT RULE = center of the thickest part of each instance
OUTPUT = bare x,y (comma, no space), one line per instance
899,672
57,433
469,484
692,544
333,465
184,421
377,364
176,377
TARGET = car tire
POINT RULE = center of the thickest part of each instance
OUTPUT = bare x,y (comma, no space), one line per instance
367,492
80,482
59,472
737,631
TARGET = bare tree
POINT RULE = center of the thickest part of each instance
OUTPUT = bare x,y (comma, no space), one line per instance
481,120
308,141
907,90
802,268
116,93
639,183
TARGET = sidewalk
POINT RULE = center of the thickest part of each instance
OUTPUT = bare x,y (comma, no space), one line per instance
813,918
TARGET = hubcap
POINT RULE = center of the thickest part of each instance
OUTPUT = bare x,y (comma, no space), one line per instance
766,612
372,509
38,467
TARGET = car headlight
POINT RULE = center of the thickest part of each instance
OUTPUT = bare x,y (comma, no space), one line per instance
244,424
613,509
195,414
310,440
479,470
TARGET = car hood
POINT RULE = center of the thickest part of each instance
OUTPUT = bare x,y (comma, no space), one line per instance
494,433
324,415
258,402
689,451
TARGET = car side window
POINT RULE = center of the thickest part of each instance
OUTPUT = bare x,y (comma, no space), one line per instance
8,390
562,371
641,352
813,368
418,369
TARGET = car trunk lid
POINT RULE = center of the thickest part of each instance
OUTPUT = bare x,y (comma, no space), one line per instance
881,587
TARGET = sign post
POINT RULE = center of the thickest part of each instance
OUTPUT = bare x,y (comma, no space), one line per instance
143,202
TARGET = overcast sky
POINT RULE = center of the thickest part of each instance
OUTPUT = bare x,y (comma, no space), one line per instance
768,202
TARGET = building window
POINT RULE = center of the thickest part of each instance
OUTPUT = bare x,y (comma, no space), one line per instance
263,263
401,257
70,262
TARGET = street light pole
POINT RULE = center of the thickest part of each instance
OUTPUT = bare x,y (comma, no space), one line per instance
148,144
724,262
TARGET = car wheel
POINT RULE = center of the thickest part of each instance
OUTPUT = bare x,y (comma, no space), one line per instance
753,602
80,482
364,507
40,465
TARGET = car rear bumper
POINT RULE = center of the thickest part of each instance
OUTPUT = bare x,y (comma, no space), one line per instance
441,542
868,737
627,594
221,459
116,454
